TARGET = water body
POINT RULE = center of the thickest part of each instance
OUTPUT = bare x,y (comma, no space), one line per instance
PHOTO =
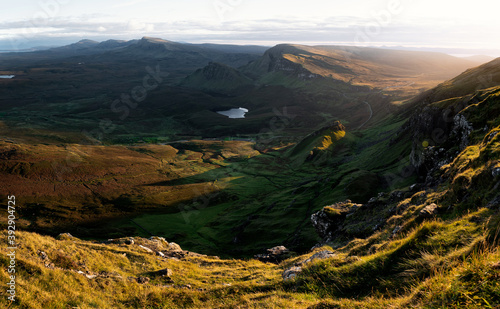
7,76
235,113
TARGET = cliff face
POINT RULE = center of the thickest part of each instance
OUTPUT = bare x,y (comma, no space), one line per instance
455,148
441,130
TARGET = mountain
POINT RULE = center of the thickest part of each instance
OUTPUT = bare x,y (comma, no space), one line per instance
187,55
480,58
216,77
389,70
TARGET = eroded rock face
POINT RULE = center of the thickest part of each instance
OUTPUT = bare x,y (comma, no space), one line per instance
461,130
435,131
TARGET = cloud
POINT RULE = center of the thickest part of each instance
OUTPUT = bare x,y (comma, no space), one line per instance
333,30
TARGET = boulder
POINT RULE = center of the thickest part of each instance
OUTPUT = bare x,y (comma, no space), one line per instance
42,255
65,236
291,273
174,247
429,211
495,172
142,280
322,255
162,273
274,255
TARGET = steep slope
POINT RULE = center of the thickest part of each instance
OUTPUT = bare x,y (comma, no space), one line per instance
481,77
437,235
442,123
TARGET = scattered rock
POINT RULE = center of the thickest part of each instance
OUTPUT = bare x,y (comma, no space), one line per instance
142,280
322,255
159,253
174,247
89,276
396,230
146,249
163,273
42,255
416,187
176,255
291,273
495,172
121,241
110,275
494,203
65,236
429,211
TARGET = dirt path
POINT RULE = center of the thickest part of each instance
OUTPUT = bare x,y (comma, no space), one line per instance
371,115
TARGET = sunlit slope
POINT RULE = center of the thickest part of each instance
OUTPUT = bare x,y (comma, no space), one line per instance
481,77
391,70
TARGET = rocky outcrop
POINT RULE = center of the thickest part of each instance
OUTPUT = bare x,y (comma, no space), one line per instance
438,132
329,221
157,246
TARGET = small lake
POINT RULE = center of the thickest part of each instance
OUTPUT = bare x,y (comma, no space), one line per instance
7,76
235,113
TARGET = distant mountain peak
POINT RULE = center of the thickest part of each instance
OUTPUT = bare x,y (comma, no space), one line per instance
87,41
154,40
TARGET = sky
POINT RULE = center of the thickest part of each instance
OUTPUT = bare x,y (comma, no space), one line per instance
470,27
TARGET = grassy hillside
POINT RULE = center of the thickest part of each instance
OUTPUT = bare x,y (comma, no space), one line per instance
447,257
381,207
